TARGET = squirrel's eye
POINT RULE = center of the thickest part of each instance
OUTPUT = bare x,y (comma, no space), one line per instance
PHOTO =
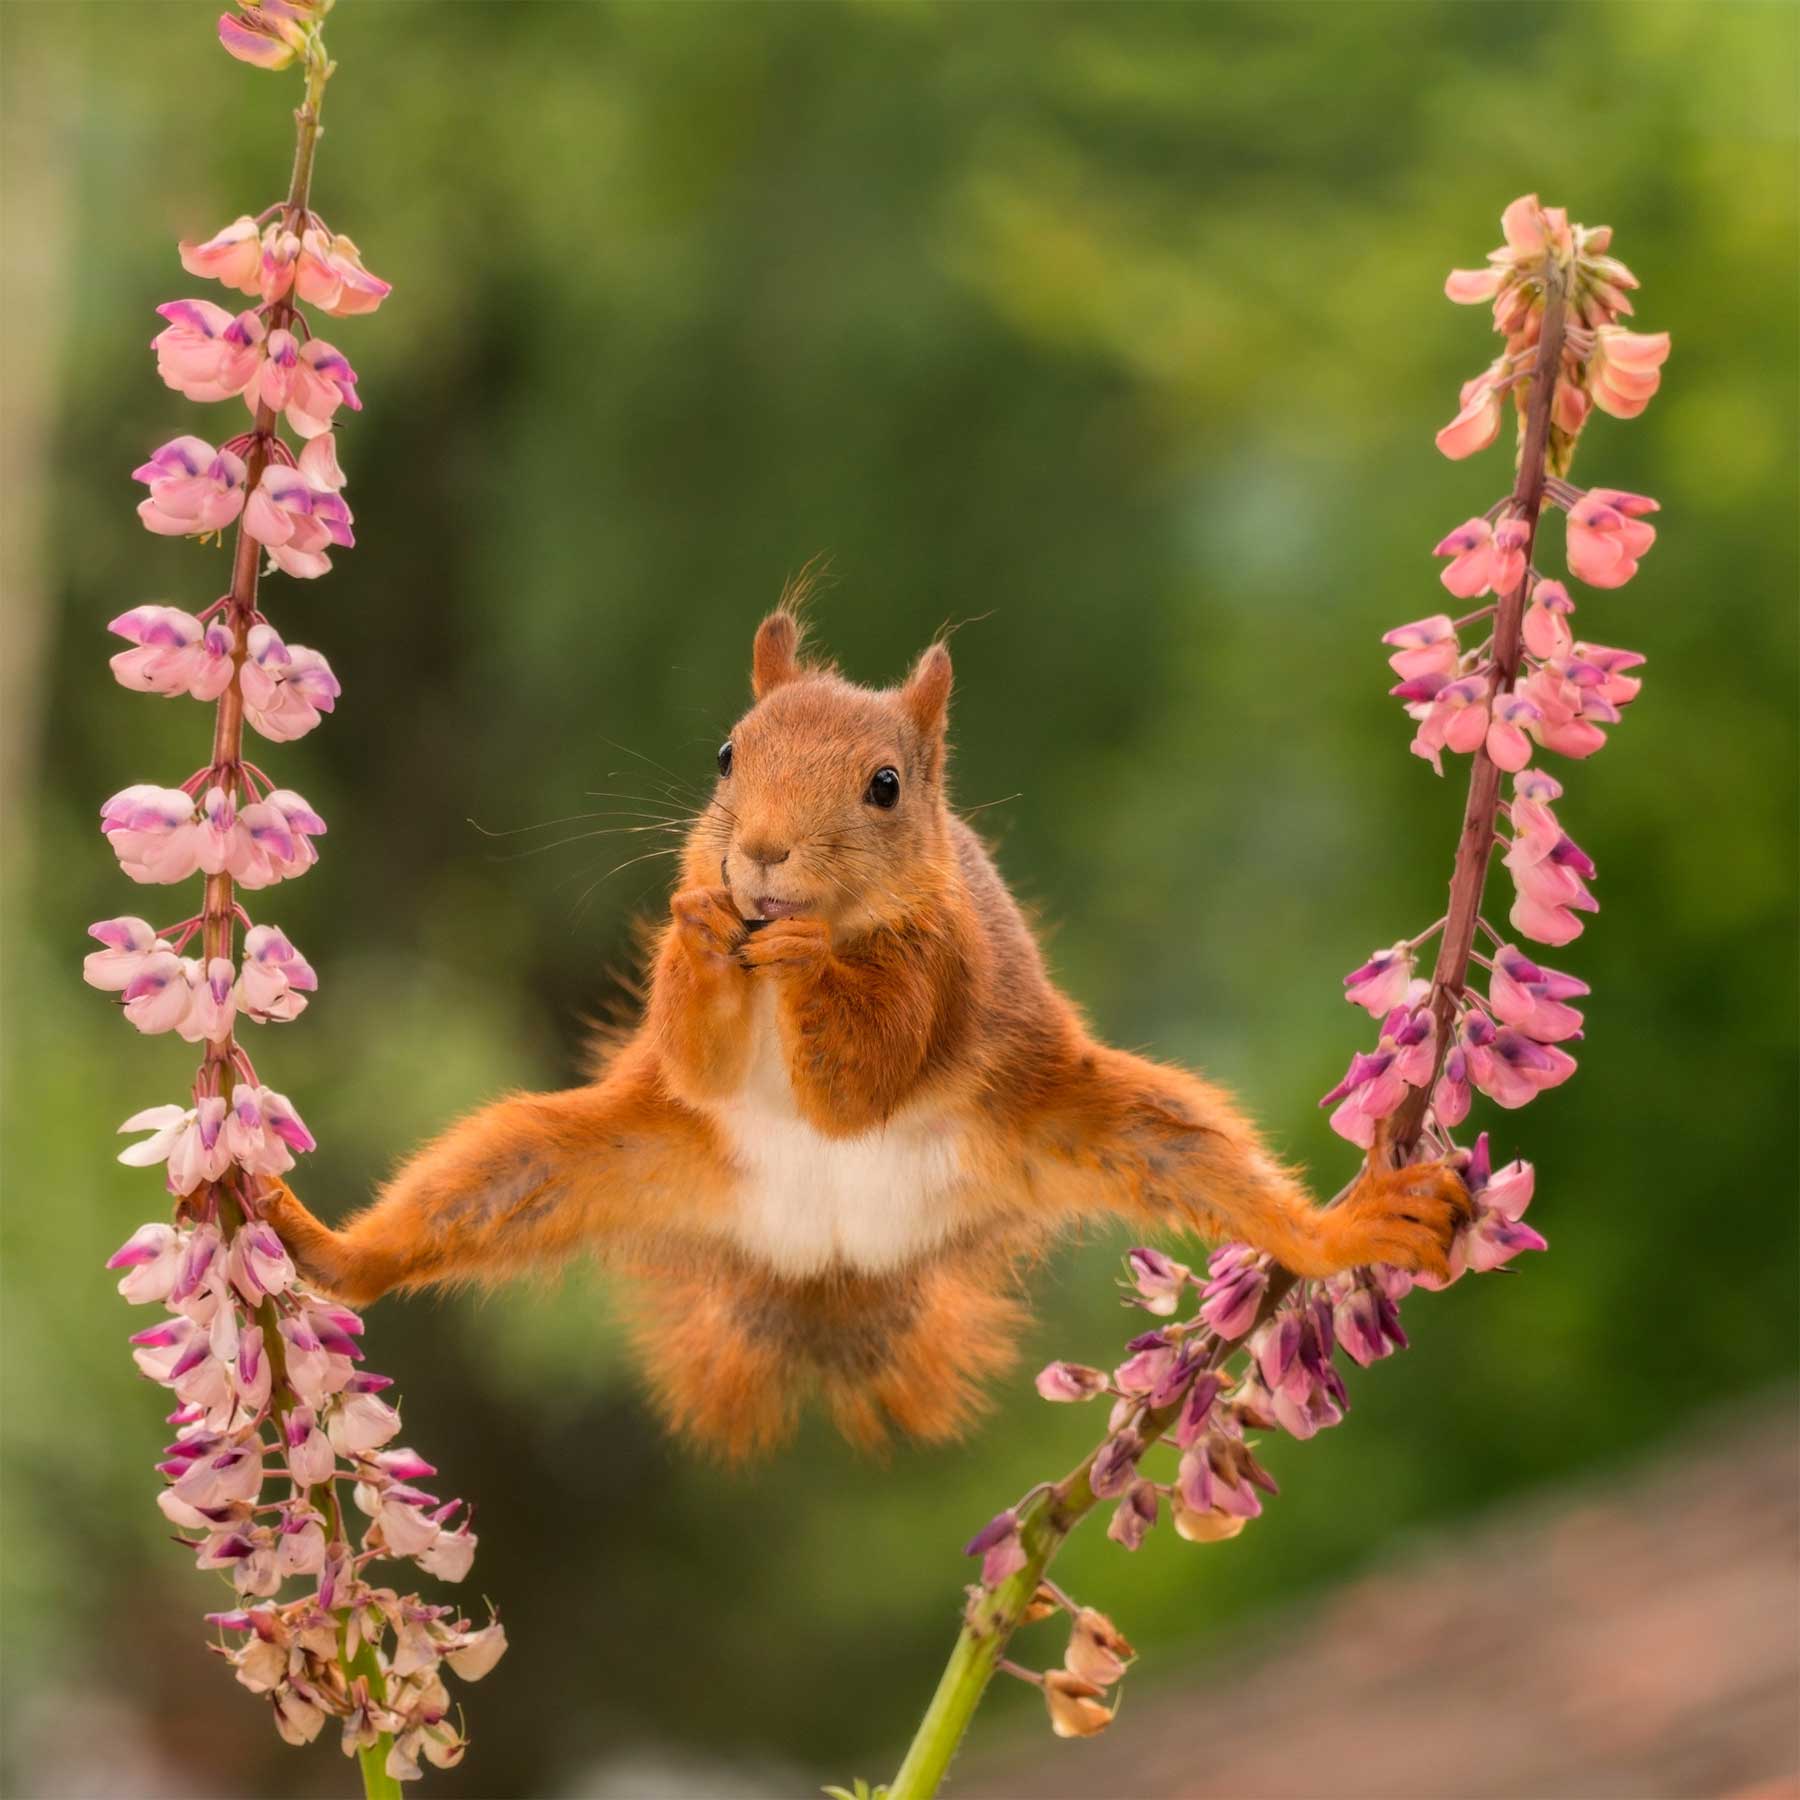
884,788
725,759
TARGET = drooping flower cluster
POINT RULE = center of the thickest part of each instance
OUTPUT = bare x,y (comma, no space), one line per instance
282,1474
1530,685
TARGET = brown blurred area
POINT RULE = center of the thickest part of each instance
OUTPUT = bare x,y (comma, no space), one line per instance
1633,1637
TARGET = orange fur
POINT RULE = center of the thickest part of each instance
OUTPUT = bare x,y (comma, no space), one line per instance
854,1103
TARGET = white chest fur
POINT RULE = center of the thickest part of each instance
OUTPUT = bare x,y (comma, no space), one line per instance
806,1202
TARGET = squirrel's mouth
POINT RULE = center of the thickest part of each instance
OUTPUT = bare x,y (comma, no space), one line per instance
768,907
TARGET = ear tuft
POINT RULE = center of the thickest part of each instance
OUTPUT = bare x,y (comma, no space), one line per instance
926,695
775,655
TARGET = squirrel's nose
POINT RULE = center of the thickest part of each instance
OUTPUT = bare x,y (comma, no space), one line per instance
765,855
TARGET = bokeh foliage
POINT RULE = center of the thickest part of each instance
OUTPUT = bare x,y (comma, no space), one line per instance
1114,331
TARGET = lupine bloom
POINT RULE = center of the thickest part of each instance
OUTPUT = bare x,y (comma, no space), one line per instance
1376,1082
1451,715
195,490
184,995
1534,999
1229,1300
190,1139
175,653
1159,1280
1626,369
1607,536
286,687
305,382
1509,1067
129,941
295,515
328,274
276,978
270,33
163,835
1383,982
1546,622
232,256
1470,571
1425,647
1477,424
997,1544
1497,1233
204,352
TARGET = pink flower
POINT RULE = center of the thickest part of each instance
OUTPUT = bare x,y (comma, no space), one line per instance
232,256
204,353
257,1264
285,688
1497,1232
262,1130
1469,287
195,490
295,513
1626,369
1367,1324
997,1544
1614,686
1510,1068
308,382
1230,1300
1153,1356
1478,423
1607,536
329,274
1383,982
1470,548
153,832
270,34
1451,715
129,941
1376,1082
1546,621
1065,1381
1507,563
274,839
180,994
175,653
1550,870
1451,1098
1160,1281
189,1139
1425,647
1533,999
1507,743
276,978
150,1257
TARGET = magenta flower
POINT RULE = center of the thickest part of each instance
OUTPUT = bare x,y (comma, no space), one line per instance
1229,1301
195,490
175,654
286,688
295,515
1451,1097
1607,536
1160,1281
270,33
1507,1066
1451,715
997,1544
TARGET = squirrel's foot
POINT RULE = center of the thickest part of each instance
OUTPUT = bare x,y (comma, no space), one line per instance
791,945
708,925
1405,1217
311,1245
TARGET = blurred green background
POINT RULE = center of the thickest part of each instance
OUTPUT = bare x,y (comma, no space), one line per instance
1115,331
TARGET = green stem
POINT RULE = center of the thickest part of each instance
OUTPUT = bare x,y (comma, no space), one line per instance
378,1784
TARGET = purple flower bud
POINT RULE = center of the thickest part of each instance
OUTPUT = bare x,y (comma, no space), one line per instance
1134,1515
1114,1464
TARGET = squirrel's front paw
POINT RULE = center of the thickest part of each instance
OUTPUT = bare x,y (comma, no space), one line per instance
787,944
1405,1217
708,923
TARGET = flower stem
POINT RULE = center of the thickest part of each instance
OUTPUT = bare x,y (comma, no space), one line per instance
1475,845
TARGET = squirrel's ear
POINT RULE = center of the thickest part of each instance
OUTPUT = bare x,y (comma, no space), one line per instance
926,695
774,657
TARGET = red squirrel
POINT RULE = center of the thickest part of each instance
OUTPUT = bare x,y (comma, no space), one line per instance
855,1103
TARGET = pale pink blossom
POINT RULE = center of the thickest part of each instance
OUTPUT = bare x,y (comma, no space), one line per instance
276,978
1230,1299
257,1264
1160,1281
1507,1066
274,839
1497,1232
1607,536
154,832
296,517
1383,982
306,382
1534,999
195,490
1546,622
1451,1097
1469,287
175,654
1507,744
232,256
129,941
1626,369
1424,647
262,1130
329,274
1066,1381
310,1458
1451,715
205,353
189,1139
182,994
150,1257
1476,426
285,687
270,33
1470,571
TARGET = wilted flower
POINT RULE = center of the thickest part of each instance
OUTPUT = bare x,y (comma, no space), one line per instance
1230,1299
1078,1708
1160,1281
1070,1381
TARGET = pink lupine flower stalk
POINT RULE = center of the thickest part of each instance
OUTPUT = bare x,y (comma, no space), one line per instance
1525,687
283,1474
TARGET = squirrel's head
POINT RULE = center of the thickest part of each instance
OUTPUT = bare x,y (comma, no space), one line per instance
830,801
